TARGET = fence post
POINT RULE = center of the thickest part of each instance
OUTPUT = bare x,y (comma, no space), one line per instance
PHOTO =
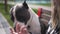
5,5
39,12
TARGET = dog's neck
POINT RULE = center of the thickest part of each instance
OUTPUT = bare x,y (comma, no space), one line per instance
30,20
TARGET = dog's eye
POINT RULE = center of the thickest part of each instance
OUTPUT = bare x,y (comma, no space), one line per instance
28,26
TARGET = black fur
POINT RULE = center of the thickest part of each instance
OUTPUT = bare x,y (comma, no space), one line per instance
25,5
12,17
22,14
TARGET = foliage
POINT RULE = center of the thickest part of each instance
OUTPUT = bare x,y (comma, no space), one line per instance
6,15
35,10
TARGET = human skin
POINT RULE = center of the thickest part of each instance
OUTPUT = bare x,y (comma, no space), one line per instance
19,30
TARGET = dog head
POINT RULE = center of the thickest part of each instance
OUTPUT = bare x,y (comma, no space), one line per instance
20,13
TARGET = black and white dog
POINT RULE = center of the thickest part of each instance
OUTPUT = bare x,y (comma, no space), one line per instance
24,15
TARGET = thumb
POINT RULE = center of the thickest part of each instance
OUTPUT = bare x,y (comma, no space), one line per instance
12,31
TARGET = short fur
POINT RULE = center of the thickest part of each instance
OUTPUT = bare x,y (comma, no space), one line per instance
24,14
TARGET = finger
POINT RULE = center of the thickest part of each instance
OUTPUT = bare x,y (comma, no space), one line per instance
11,31
20,33
24,30
22,27
17,27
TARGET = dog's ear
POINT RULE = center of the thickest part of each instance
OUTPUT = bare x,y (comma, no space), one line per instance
11,14
25,5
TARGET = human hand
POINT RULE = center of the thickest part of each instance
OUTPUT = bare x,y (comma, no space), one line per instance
19,30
